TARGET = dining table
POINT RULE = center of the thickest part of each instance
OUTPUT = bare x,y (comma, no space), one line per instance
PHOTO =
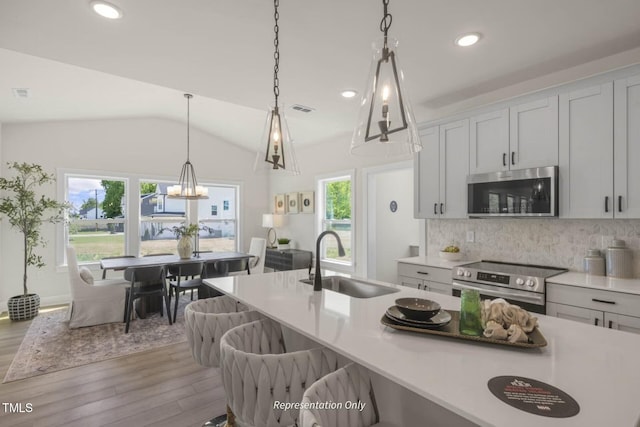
146,261
148,305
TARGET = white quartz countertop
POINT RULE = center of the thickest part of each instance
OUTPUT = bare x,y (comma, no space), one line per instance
596,366
433,261
628,286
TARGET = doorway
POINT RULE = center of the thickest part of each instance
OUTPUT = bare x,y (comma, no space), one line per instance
391,228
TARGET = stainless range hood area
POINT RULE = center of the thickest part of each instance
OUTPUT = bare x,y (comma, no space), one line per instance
524,193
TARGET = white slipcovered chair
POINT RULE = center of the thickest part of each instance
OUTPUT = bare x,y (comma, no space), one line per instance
258,249
258,373
206,321
93,302
348,384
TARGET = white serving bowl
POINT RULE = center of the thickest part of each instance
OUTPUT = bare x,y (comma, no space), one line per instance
451,256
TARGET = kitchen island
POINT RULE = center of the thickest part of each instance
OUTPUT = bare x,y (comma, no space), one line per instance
595,366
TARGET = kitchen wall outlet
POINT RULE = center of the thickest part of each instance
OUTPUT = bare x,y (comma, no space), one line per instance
471,236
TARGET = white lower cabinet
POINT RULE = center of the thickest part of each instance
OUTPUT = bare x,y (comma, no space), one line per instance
431,279
607,309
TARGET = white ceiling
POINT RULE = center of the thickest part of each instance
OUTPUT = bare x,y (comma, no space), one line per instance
81,66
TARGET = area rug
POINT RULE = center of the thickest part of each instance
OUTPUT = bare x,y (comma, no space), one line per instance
49,345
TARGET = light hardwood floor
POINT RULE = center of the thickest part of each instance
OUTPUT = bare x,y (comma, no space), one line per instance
163,387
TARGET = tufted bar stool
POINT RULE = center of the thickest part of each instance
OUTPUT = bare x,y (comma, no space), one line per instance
260,377
347,385
207,320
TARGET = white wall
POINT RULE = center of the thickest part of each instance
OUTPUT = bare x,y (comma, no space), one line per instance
320,159
146,146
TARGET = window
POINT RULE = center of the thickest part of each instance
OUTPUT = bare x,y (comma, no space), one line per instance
97,218
219,232
335,212
158,215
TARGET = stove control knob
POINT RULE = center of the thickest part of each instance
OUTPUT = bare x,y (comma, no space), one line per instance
530,283
459,272
519,281
467,274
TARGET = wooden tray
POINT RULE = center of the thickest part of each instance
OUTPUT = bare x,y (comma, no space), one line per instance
536,339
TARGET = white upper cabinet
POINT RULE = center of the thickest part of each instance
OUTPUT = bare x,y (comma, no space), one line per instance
426,175
489,142
522,136
533,139
440,171
626,139
454,168
586,152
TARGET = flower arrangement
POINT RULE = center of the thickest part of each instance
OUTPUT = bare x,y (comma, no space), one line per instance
185,230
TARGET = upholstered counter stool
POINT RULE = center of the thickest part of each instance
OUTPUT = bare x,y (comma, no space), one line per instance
206,320
260,377
349,384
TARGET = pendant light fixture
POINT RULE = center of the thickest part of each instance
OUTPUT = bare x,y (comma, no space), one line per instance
386,125
279,153
187,187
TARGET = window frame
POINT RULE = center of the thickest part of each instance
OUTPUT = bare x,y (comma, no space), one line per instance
62,229
320,201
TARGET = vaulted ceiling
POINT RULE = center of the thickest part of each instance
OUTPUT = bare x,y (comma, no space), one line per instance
81,66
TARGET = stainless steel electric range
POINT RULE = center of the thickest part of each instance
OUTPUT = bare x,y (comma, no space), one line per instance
520,284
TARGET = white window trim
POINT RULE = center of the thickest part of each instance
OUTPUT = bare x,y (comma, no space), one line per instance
320,212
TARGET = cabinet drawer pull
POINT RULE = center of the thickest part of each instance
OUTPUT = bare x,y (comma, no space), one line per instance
595,321
619,203
435,209
441,208
504,159
602,301
606,203
610,324
513,157
422,272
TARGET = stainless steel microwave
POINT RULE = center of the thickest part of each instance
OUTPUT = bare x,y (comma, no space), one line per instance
518,193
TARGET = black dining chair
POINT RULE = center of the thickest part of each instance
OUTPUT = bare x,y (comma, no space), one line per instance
210,270
184,279
145,282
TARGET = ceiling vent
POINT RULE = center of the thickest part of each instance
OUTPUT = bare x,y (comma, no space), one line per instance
21,92
302,108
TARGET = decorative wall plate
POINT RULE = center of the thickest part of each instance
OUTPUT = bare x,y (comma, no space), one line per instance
292,203
306,202
280,204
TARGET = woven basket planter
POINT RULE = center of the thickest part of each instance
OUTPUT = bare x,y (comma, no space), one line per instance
23,307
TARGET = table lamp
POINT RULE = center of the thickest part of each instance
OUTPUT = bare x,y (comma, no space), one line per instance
271,221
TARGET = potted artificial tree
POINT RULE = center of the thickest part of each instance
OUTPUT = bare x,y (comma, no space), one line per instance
26,211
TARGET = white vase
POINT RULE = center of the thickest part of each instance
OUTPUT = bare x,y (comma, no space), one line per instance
185,247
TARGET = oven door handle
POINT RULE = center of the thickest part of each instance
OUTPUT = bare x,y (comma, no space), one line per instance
537,299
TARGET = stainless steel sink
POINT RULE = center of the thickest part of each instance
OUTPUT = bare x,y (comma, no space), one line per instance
353,287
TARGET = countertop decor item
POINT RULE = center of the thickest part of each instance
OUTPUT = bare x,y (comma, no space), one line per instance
470,313
536,339
386,125
594,263
26,212
187,187
417,308
450,256
278,153
619,260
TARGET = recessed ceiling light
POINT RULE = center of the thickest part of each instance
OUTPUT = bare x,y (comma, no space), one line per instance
349,93
106,10
467,39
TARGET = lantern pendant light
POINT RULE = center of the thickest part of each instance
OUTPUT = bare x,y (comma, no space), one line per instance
279,153
386,125
187,187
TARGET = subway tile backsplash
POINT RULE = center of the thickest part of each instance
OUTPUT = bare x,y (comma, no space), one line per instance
552,242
